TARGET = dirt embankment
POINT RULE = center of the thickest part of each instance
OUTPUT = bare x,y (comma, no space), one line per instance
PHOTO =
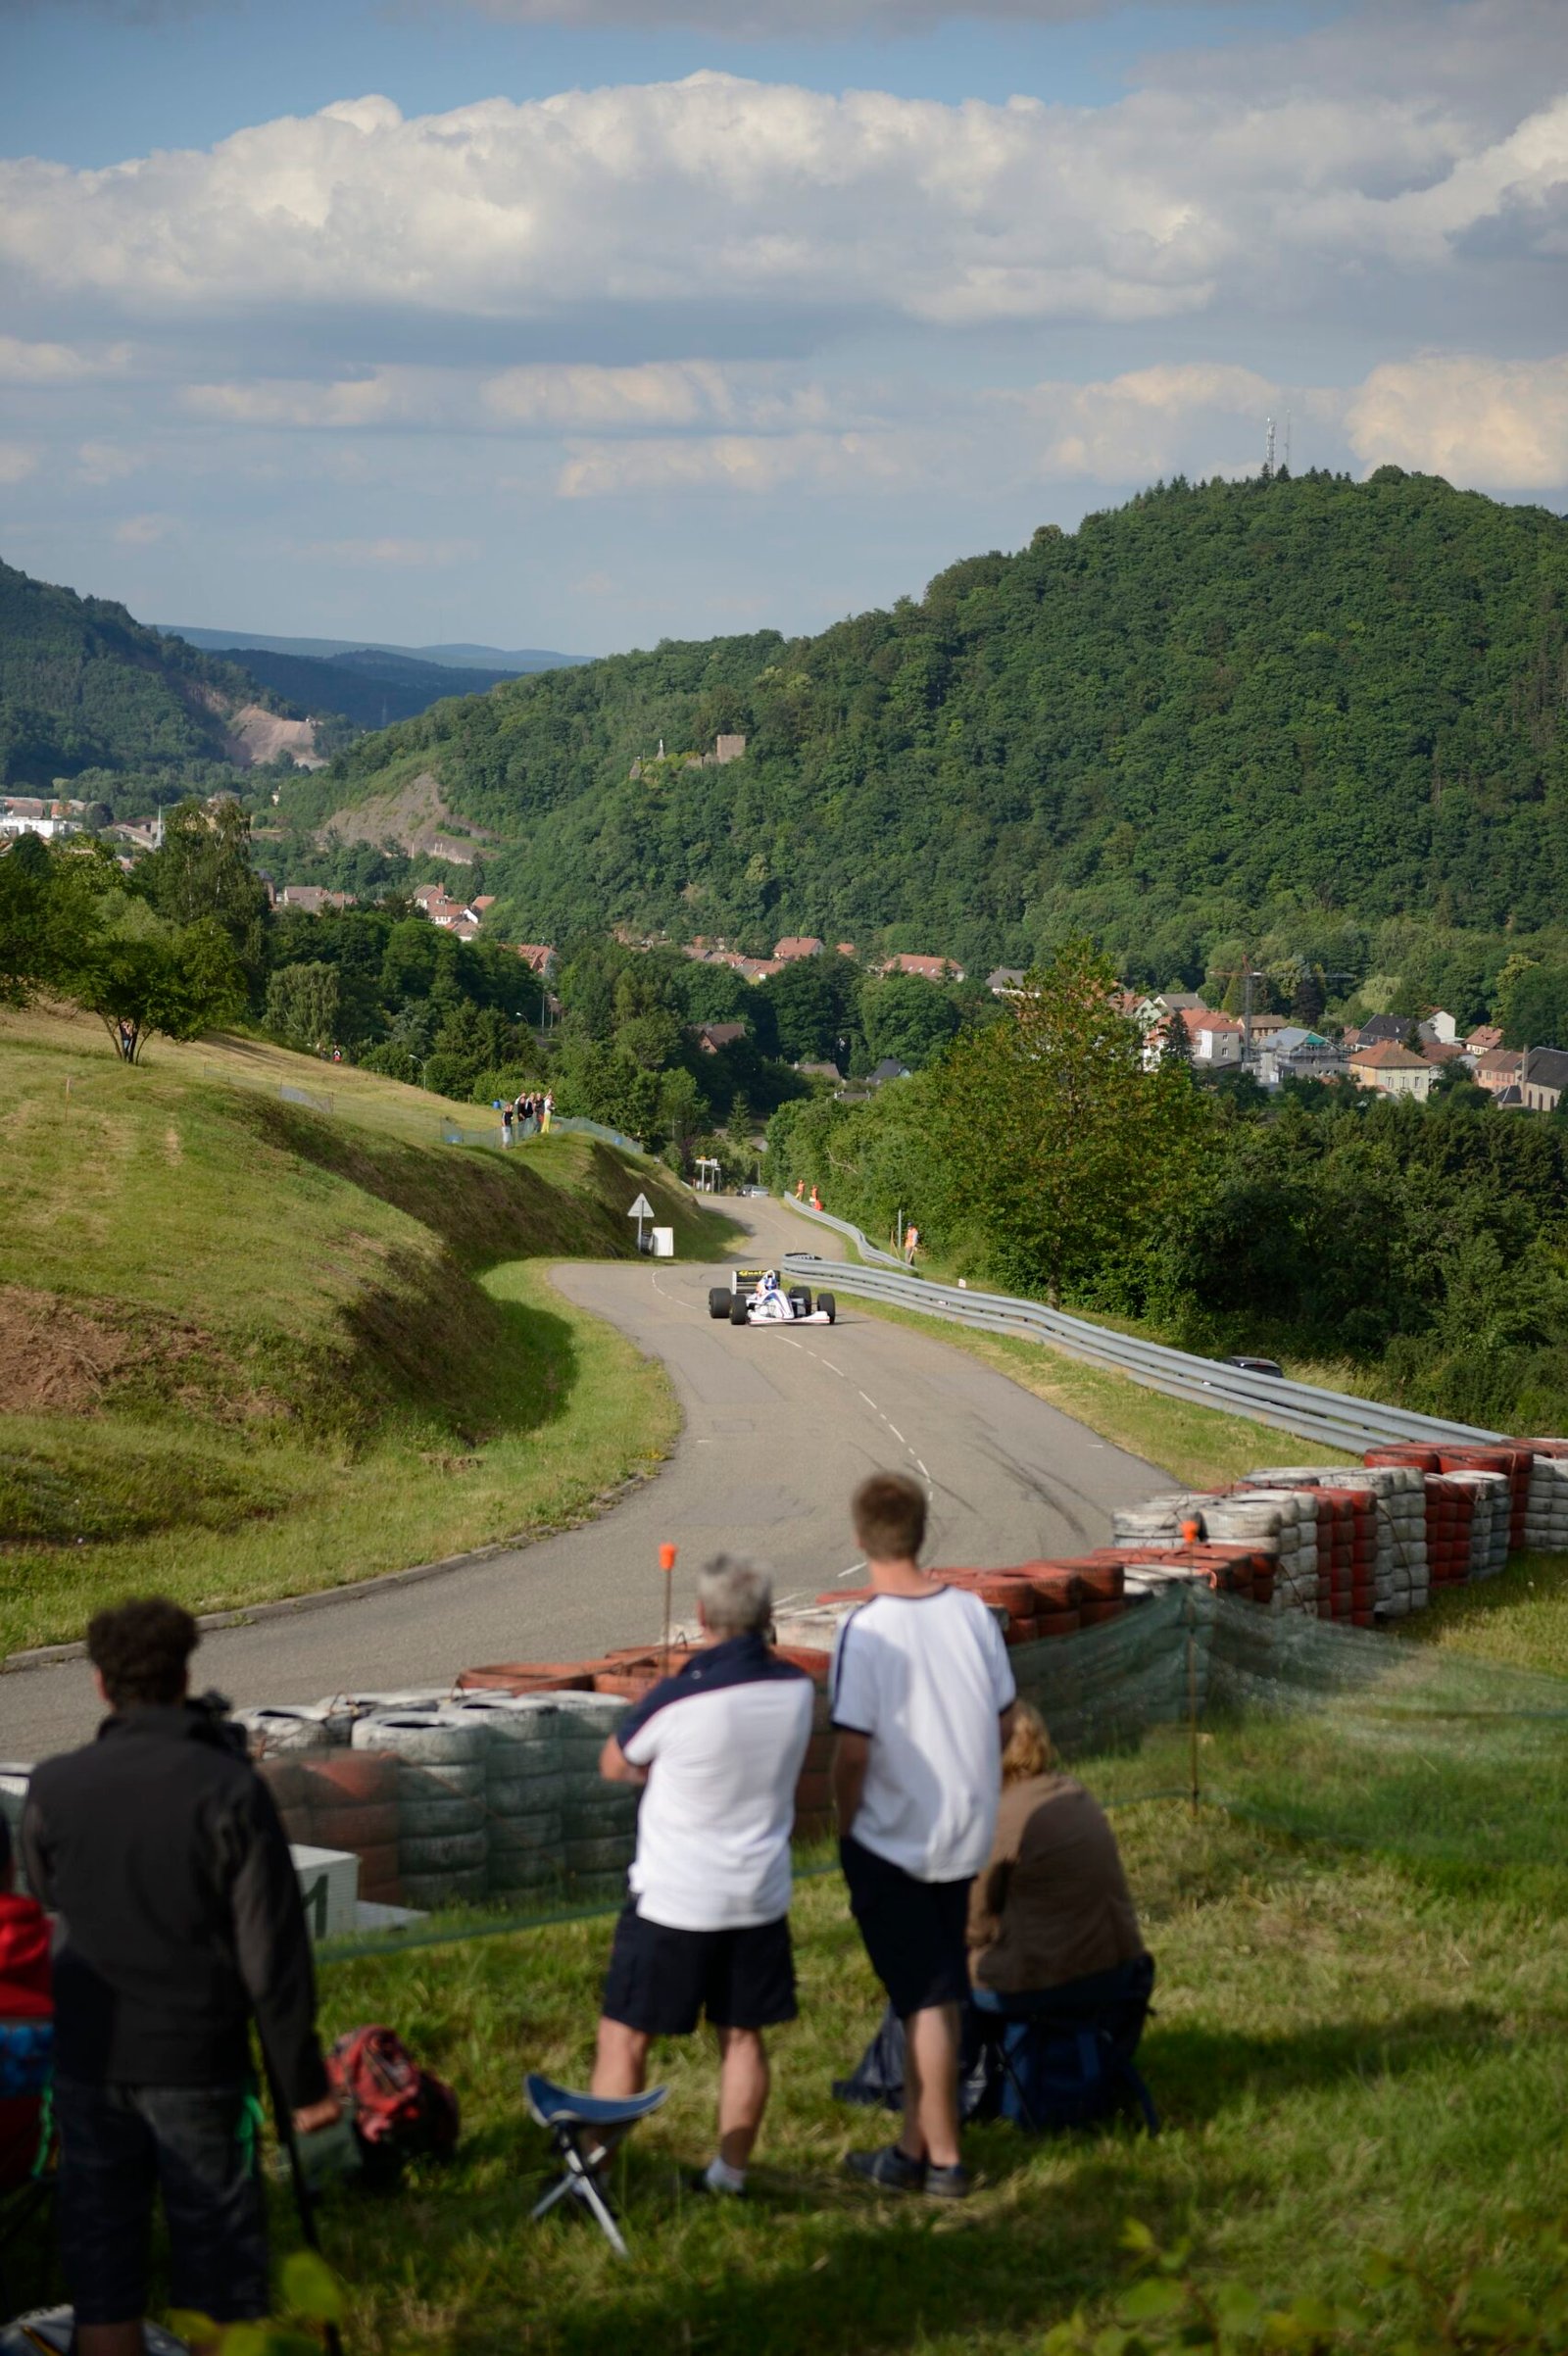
255,735
414,816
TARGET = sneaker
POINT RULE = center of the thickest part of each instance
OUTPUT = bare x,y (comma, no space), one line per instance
697,2181
948,2184
890,2171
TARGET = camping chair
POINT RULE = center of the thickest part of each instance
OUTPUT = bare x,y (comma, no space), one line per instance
1065,2055
584,2130
27,2059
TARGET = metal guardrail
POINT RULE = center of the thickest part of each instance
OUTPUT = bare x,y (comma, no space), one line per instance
1334,1418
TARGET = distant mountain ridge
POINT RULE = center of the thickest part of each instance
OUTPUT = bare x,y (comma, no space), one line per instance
83,685
1304,703
458,657
369,687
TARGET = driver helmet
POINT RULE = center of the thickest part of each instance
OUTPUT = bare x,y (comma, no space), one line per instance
770,1280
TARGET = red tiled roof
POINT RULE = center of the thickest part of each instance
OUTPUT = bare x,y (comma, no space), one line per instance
1388,1055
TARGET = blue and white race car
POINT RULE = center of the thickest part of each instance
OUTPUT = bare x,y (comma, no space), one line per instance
755,1296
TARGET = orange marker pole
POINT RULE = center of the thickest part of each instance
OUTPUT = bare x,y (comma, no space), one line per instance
667,1563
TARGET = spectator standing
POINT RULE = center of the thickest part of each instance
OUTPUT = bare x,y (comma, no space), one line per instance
24,2000
547,1109
506,1117
922,1698
719,1747
160,1847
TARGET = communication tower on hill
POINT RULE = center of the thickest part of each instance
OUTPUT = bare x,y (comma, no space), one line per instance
1269,448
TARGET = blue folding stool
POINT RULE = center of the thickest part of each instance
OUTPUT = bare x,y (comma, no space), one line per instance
578,2125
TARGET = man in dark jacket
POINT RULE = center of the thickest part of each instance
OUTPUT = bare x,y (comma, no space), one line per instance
161,1848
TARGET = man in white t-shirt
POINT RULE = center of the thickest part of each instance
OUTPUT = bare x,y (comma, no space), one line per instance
922,1700
719,1747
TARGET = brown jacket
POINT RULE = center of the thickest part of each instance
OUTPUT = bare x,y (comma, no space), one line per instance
1052,1904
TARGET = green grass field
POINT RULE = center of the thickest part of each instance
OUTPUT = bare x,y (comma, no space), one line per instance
250,1349
1358,2045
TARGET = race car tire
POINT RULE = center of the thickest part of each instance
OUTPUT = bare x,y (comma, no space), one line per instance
828,1307
737,1309
721,1299
800,1298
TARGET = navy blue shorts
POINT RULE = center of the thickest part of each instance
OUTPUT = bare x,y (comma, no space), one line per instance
914,1932
118,2145
661,1980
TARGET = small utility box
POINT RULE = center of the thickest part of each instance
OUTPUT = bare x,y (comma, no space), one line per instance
663,1242
329,1886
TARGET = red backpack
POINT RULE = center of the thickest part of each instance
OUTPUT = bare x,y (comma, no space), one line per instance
400,2111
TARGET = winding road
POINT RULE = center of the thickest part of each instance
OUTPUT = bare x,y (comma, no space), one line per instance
779,1425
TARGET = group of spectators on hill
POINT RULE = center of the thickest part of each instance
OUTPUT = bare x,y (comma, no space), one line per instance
987,1890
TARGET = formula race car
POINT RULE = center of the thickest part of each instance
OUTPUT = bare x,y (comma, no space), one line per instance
755,1296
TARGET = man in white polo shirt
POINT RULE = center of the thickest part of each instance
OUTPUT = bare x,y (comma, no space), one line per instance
922,1700
719,1747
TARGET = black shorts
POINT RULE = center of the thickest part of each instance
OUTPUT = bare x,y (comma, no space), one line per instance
661,1980
913,1931
196,2147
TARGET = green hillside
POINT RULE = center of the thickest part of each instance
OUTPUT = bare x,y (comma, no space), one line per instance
83,686
252,1346
1219,707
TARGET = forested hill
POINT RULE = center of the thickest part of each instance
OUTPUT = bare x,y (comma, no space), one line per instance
83,686
1218,705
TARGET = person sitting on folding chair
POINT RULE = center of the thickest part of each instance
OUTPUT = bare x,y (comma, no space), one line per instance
719,1747
1061,1979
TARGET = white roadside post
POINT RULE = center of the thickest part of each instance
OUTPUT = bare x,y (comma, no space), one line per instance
641,1210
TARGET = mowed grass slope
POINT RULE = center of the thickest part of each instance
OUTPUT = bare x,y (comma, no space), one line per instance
250,1349
1355,2047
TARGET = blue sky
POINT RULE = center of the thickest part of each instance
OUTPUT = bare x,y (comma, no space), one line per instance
585,323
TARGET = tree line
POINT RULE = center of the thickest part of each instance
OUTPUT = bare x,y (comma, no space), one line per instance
1420,1248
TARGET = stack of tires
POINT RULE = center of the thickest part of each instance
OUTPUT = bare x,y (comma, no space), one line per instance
524,1790
443,1851
356,1803
598,1819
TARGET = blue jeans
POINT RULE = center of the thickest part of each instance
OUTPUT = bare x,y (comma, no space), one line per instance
193,2144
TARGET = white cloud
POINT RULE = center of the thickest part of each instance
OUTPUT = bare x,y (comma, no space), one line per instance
144,531
362,401
660,393
753,462
775,20
23,362
107,462
1500,425
17,462
742,194
1195,418
401,553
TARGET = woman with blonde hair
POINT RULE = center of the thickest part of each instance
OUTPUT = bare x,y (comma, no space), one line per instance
1060,1980
1062,1977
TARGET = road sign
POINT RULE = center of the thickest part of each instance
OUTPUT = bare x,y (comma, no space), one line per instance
642,1209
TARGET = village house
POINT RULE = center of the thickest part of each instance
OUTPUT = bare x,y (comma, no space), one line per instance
1153,1013
1483,1041
1379,1030
929,969
1294,1052
537,955
1497,1069
1393,1070
313,899
711,1036
1544,1078
1004,981
1440,1028
1216,1039
797,945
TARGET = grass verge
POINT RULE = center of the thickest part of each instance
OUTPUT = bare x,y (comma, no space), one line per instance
251,1349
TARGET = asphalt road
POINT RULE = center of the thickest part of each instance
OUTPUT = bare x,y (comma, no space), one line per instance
781,1424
